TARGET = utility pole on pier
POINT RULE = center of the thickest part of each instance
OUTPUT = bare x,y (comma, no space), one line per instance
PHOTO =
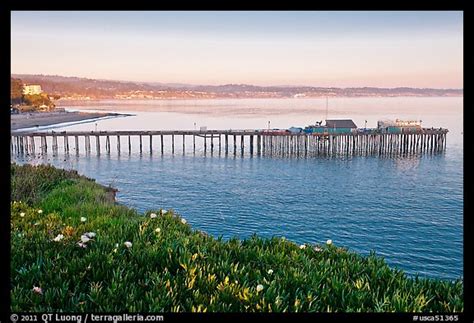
327,99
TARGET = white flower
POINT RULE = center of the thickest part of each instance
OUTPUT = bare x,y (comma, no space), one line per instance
128,244
115,249
152,215
90,234
59,237
22,214
157,230
37,223
164,211
83,219
317,249
37,290
302,246
116,245
329,242
259,288
85,238
40,211
82,245
270,271
183,221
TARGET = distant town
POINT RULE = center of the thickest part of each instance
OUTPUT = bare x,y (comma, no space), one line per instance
74,88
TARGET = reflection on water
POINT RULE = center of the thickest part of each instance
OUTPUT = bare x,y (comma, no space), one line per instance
282,113
407,163
408,209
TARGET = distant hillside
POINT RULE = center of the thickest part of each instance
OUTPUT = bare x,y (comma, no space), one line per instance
83,88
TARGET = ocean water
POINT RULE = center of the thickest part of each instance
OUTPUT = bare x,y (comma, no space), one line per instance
407,209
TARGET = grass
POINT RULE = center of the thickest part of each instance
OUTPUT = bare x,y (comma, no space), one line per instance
172,268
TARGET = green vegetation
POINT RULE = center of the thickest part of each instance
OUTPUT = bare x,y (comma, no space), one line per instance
159,264
31,183
37,100
16,91
28,102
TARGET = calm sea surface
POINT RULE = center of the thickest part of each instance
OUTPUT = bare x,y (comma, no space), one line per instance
407,209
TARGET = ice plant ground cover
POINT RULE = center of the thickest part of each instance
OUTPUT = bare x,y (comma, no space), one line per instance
172,267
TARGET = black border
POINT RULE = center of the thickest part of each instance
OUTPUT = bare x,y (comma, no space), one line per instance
5,177
5,18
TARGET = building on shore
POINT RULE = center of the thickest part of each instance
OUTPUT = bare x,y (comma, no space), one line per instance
32,89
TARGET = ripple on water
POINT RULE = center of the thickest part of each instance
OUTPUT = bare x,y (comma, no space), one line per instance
409,212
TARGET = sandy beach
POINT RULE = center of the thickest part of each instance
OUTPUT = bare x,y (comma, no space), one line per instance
38,119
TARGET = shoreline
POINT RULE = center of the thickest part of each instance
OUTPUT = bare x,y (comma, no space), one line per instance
44,119
69,101
154,241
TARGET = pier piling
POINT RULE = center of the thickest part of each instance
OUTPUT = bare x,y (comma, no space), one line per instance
261,143
76,140
118,144
151,144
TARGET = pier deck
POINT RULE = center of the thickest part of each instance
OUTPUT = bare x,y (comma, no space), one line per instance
257,141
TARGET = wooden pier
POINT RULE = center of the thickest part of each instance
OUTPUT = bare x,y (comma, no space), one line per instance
252,142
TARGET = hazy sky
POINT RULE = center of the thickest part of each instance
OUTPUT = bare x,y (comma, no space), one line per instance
343,49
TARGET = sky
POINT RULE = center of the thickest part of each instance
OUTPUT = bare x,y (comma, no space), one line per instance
314,48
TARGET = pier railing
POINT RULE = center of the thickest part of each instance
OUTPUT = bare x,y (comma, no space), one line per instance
253,142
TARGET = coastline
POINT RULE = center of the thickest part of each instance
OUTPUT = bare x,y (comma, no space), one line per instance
41,119
207,273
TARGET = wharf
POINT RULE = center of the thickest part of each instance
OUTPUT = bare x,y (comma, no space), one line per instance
253,141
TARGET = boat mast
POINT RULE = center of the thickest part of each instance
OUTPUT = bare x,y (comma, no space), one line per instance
326,107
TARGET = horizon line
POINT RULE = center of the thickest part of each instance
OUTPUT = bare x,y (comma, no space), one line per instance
224,84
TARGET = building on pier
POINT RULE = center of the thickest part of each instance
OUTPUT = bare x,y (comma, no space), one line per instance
333,126
340,126
399,126
295,130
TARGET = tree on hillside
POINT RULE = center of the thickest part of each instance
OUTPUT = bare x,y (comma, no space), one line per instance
16,91
38,100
